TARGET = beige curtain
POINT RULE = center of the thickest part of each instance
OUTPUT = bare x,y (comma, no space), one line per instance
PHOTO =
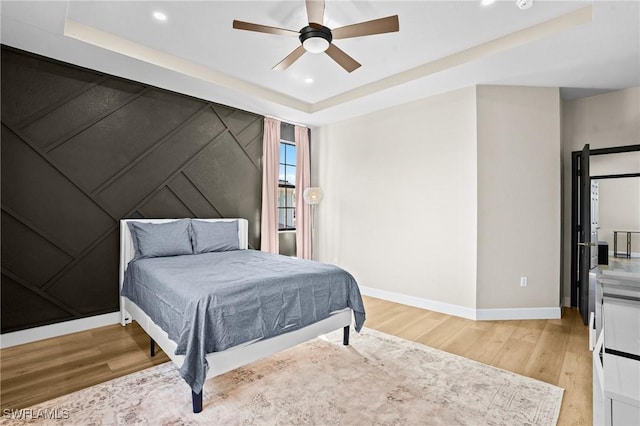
303,178
270,171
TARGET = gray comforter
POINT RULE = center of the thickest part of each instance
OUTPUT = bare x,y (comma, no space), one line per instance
210,302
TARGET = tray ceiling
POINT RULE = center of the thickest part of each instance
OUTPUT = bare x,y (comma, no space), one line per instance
441,46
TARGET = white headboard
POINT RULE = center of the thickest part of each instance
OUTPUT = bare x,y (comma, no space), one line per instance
127,251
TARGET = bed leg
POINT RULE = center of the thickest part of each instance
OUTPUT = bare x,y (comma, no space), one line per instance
197,401
345,336
152,347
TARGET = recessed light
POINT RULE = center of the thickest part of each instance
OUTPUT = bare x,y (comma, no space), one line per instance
487,2
308,80
160,16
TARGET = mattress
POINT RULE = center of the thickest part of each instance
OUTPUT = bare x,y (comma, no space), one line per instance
213,301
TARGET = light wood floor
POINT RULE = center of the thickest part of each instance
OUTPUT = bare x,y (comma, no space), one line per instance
554,351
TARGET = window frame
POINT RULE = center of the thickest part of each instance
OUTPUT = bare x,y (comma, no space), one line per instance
286,186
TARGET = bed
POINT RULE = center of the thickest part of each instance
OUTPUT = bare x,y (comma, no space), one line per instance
211,311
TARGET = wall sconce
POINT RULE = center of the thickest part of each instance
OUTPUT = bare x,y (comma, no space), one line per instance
313,195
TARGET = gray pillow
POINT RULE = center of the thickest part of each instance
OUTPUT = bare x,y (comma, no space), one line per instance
214,236
161,239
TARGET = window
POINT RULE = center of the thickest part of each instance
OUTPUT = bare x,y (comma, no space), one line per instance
287,187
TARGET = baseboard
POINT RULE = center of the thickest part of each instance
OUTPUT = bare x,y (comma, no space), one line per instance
463,311
54,330
419,302
518,313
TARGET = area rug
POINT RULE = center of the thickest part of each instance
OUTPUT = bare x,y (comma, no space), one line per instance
377,380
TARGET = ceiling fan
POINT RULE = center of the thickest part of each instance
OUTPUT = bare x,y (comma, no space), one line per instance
316,38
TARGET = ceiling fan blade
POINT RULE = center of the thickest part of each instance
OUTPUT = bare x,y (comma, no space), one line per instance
377,26
241,25
315,11
344,60
290,59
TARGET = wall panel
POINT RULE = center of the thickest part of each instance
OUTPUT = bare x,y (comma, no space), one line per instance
82,150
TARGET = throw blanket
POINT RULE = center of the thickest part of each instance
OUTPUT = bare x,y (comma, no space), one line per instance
210,302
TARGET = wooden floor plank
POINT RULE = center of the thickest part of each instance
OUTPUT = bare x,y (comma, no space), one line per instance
129,361
490,347
417,326
43,390
16,368
61,342
529,330
388,313
465,339
444,332
576,379
514,355
554,351
547,358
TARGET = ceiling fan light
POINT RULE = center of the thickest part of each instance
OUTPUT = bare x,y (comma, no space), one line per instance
524,4
315,44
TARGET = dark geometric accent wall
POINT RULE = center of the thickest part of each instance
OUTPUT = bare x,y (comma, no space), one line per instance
82,150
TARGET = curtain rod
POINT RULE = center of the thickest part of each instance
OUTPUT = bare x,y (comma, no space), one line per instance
287,122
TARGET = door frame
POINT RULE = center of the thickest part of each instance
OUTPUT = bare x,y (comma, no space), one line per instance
576,226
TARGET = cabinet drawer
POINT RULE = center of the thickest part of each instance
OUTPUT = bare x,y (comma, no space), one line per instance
622,322
621,379
624,414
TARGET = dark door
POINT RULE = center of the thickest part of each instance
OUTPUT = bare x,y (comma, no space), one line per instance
584,258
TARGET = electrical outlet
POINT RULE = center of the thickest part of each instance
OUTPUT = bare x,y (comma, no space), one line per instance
523,281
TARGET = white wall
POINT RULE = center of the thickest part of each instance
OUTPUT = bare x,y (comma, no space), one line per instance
610,119
518,197
447,201
399,211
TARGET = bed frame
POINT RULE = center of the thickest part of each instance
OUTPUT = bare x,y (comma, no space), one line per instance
237,356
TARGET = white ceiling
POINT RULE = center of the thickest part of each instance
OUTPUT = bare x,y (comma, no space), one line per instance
441,46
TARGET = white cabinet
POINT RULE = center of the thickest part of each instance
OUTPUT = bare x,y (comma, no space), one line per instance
624,414
622,319
616,355
621,389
